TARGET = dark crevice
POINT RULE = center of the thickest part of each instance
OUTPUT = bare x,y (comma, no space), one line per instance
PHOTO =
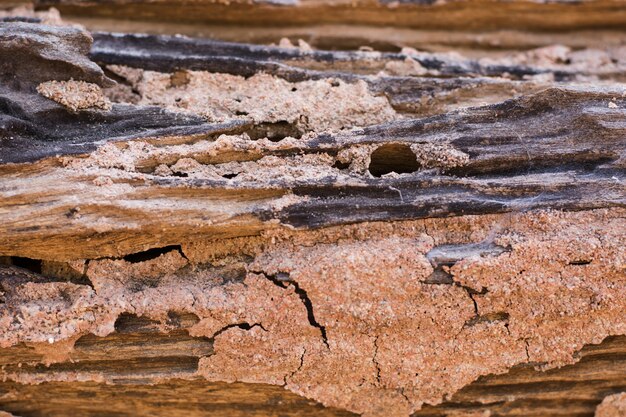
36,266
117,78
230,176
283,280
491,317
73,213
181,319
180,174
580,262
376,364
82,280
135,94
341,165
131,323
443,257
153,253
401,391
471,293
440,276
275,131
244,326
297,370
280,279
393,158
33,265
301,361
526,349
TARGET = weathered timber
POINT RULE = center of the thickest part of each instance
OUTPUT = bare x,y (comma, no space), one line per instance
33,127
167,53
139,346
456,14
200,227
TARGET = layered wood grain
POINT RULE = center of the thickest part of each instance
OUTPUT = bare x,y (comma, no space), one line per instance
467,139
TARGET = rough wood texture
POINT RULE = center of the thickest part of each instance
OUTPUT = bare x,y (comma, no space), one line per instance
451,14
200,227
574,390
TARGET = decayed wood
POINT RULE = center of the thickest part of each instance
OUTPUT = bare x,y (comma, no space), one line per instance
167,53
573,390
455,14
559,148
435,256
139,347
34,127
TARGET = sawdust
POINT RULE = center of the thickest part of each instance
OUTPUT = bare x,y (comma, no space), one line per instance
75,95
286,307
612,406
309,105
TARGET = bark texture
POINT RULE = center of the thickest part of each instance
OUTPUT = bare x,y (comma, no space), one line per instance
203,227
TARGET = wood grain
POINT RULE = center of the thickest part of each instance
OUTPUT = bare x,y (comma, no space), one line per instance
137,347
469,145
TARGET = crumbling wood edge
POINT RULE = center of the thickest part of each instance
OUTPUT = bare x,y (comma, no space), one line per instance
164,253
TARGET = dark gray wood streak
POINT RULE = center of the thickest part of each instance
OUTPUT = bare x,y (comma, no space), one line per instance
557,149
33,127
169,53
